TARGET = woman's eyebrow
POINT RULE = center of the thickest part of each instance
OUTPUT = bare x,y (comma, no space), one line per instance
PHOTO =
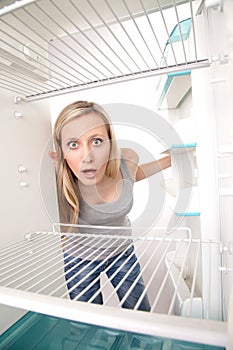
70,139
97,135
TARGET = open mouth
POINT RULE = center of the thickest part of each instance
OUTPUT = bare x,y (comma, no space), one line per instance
89,172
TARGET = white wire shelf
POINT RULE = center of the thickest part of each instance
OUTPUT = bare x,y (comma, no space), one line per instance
50,47
37,265
32,278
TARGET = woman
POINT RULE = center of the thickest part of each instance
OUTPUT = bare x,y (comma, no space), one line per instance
95,187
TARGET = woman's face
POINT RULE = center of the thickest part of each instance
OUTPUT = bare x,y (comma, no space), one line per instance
86,147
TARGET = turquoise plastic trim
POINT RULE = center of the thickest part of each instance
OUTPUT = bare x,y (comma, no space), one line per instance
165,89
189,214
185,27
185,145
56,334
17,329
175,74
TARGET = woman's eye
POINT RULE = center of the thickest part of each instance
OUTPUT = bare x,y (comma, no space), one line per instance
97,142
73,144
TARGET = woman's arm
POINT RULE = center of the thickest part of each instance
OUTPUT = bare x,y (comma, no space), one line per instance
148,169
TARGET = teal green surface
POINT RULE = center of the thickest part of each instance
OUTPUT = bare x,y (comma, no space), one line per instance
189,214
41,332
185,145
181,31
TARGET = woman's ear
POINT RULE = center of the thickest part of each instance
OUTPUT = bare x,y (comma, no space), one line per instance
53,155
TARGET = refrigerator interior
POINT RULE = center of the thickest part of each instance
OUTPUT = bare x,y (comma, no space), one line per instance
171,62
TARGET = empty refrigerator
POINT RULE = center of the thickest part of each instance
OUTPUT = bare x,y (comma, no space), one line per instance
54,52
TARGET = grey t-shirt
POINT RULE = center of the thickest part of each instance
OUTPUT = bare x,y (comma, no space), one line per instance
104,214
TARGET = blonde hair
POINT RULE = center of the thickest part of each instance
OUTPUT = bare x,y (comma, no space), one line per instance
66,181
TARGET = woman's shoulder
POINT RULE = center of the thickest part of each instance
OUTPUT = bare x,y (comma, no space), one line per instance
131,157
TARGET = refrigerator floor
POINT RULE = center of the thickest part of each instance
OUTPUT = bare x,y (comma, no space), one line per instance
35,331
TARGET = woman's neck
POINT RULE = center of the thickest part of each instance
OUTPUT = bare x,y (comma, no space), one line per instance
106,191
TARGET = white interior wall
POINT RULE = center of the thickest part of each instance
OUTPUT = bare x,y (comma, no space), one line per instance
23,142
221,76
212,91
226,219
139,92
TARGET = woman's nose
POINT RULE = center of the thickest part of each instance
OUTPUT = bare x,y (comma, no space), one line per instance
88,156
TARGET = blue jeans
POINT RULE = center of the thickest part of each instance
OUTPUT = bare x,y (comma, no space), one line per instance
83,276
